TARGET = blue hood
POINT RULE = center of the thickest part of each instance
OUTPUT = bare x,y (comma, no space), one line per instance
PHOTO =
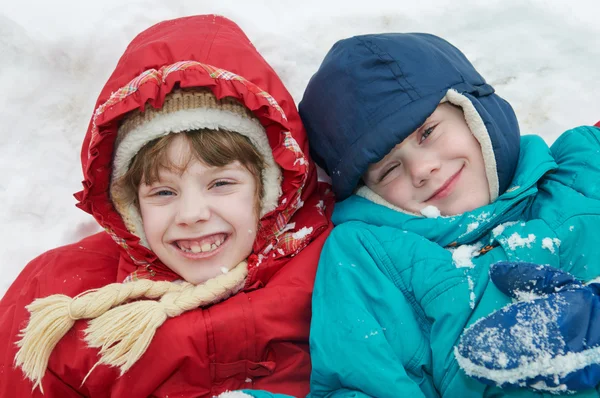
373,91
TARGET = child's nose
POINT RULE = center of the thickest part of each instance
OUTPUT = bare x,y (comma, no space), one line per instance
193,209
422,168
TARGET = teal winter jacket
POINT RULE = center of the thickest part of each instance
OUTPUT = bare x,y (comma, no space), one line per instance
395,291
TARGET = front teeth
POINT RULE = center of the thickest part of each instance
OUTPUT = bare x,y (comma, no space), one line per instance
206,247
198,249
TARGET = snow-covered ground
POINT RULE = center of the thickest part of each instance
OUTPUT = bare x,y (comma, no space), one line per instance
541,55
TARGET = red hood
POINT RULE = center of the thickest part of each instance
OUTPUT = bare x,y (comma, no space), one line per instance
213,52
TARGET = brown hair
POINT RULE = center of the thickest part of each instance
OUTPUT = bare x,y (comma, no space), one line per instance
211,147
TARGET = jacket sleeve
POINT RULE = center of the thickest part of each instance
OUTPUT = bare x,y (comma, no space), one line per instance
344,393
572,194
577,153
13,317
356,308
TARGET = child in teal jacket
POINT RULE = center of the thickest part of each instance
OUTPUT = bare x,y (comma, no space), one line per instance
435,185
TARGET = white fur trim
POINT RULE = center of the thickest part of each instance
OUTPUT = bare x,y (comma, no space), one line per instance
369,194
478,129
193,119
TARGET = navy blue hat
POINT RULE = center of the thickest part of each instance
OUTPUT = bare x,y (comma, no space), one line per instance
373,91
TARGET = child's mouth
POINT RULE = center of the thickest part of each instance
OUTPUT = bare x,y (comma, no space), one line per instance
447,188
201,247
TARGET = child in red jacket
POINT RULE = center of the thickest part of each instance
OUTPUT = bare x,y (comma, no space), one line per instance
196,164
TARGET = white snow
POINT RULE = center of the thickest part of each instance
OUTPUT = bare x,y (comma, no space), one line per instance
542,386
303,232
472,227
482,217
288,227
472,294
431,212
523,295
235,394
320,206
500,228
515,241
595,280
549,243
462,255
268,249
299,161
57,55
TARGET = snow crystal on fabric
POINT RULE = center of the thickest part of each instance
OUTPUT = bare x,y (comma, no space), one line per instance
472,294
526,295
472,227
515,241
549,243
302,233
541,385
462,255
431,212
500,228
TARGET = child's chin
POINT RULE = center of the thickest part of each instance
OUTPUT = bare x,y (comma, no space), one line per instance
200,275
464,208
199,279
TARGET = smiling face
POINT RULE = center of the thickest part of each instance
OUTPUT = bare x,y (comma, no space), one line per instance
440,164
199,220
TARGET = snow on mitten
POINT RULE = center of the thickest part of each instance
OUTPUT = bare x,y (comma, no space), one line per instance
550,342
526,281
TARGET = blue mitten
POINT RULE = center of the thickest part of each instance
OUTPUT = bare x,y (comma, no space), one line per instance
550,342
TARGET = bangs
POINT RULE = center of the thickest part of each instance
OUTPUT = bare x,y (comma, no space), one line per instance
154,158
210,147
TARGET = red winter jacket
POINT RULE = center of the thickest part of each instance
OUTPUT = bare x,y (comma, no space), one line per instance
255,339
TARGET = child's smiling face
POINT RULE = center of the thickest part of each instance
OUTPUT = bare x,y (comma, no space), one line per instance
203,221
440,164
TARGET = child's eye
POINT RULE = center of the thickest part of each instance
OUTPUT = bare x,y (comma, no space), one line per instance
426,133
222,183
164,192
387,172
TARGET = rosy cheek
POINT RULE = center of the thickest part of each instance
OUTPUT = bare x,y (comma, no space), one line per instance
388,194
